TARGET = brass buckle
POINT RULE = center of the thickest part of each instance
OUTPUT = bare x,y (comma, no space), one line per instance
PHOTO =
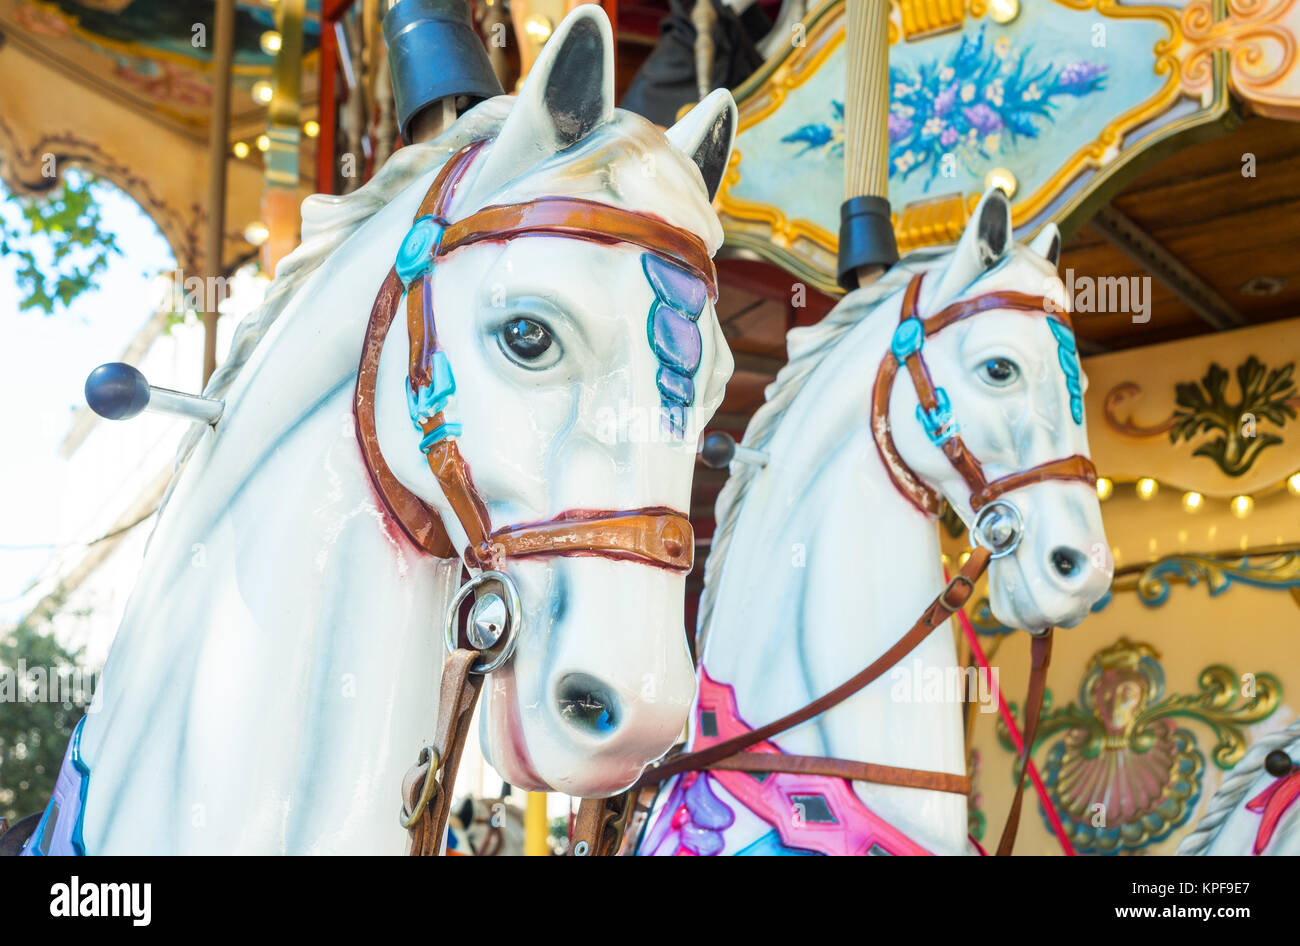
957,579
427,790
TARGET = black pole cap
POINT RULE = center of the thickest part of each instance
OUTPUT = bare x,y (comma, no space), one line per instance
866,238
433,53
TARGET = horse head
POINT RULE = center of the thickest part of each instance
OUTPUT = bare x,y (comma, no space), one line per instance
1001,435
544,394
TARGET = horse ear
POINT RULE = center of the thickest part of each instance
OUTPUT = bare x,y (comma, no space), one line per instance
568,93
705,134
1048,244
982,246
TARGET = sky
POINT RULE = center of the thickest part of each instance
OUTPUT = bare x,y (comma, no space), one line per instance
44,361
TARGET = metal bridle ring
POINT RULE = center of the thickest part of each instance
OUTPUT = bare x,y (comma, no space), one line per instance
987,515
505,646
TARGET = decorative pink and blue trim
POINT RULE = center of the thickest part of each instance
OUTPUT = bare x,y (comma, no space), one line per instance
809,814
59,830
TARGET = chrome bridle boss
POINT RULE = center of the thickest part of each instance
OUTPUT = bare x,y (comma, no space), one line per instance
999,527
493,626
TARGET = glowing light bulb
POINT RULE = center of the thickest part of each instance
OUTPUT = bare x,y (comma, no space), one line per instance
1293,484
1104,487
263,142
1004,11
1242,506
240,149
1147,488
256,233
1192,501
270,41
311,129
263,92
1004,179
538,27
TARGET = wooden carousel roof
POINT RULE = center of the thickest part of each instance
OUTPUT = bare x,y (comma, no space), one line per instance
1224,216
124,89
146,56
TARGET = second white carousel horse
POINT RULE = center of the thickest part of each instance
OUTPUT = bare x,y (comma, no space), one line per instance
824,555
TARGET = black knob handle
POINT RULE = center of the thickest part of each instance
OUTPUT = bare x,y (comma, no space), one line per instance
117,391
1277,763
718,450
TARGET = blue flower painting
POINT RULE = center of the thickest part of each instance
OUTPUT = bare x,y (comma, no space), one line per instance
974,104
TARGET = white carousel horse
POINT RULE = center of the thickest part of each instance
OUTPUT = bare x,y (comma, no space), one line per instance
1257,808
278,665
824,556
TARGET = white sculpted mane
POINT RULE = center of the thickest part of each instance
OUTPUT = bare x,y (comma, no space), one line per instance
805,348
609,165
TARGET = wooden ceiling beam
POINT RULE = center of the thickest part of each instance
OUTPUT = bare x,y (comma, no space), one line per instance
1139,246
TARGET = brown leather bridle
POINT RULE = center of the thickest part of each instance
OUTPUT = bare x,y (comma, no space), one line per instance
909,353
906,350
655,536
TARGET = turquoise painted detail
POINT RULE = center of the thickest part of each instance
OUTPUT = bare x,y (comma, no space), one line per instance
1067,355
431,398
908,339
441,432
938,423
674,336
769,845
418,248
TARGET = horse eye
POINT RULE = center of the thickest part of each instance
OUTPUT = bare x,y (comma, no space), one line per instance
999,372
529,343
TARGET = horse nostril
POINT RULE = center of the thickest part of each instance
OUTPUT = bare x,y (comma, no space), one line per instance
587,704
1068,563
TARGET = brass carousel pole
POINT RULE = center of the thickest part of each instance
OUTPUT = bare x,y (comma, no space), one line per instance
280,198
218,133
867,245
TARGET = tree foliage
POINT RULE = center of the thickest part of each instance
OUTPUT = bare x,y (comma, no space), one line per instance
33,734
59,241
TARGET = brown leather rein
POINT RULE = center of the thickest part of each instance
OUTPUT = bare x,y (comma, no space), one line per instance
906,352
653,536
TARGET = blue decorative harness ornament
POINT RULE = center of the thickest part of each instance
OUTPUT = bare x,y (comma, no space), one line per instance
937,422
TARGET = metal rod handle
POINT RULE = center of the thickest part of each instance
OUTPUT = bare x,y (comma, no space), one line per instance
118,391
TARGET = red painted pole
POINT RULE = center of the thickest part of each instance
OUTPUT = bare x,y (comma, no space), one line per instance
331,12
329,67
